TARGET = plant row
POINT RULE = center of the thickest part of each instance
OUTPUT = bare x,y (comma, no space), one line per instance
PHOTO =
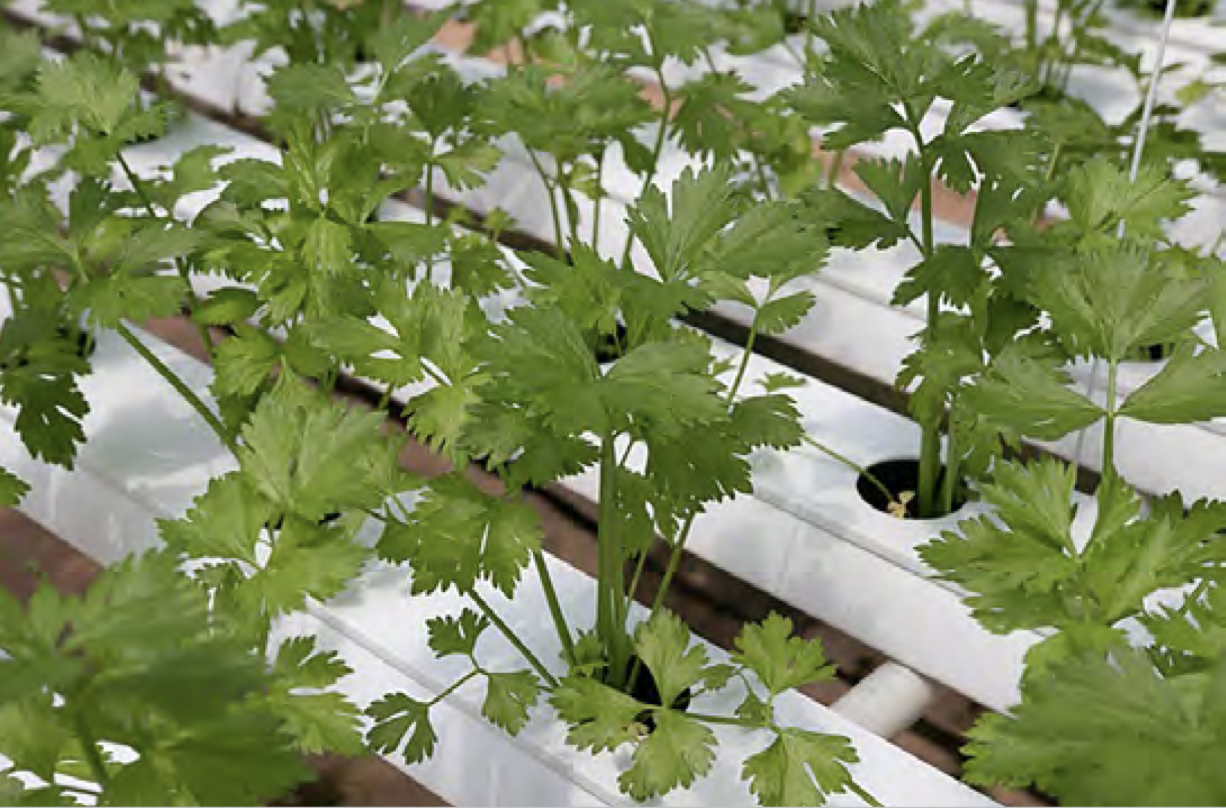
590,366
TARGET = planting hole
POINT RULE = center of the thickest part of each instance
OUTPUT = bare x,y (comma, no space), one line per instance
611,347
901,479
644,689
1157,352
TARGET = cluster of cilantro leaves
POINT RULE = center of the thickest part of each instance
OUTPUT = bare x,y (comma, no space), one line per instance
303,255
362,113
134,694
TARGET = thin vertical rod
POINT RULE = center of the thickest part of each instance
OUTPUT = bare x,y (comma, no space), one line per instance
1138,151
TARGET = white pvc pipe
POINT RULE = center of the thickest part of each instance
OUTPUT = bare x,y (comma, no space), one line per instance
888,700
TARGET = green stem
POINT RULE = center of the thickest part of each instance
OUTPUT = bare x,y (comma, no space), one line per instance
1032,25
430,207
513,638
456,685
385,400
89,745
745,357
1109,427
555,607
572,208
854,466
949,482
930,441
179,385
666,105
810,46
760,171
727,720
611,575
559,236
180,266
633,589
598,202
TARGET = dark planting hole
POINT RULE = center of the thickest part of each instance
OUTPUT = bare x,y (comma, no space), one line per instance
328,518
900,477
1151,353
1047,92
611,347
144,137
85,342
1191,8
794,22
644,689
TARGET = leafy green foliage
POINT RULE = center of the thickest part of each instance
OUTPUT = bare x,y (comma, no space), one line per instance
310,457
318,720
1110,732
40,361
1030,398
402,724
90,103
800,767
136,663
458,535
780,660
1025,570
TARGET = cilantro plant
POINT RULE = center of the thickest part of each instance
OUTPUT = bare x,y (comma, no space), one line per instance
1106,717
1070,128
875,77
528,395
134,694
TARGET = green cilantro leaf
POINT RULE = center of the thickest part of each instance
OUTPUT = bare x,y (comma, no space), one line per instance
12,489
318,721
1190,387
1031,398
1017,564
675,236
508,698
402,724
800,768
459,535
599,717
456,635
224,522
675,754
307,455
663,643
780,660
1109,731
